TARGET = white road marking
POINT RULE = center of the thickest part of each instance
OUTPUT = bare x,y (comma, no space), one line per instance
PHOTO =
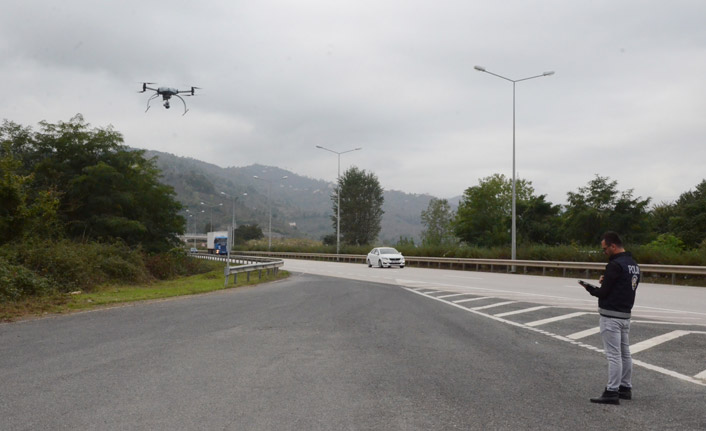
584,334
498,304
557,318
668,372
654,341
701,375
524,310
455,294
574,342
471,299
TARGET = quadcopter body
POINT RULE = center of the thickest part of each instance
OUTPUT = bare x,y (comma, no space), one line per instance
167,93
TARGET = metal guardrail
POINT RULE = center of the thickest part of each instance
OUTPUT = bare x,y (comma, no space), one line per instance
246,264
507,264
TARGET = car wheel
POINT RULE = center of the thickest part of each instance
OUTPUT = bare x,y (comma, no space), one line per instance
369,264
401,266
380,263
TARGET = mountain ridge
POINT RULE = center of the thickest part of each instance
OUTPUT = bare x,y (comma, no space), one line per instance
301,206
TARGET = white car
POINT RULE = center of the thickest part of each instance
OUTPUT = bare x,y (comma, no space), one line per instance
385,257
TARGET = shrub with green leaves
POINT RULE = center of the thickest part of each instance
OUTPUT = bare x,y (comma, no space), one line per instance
17,282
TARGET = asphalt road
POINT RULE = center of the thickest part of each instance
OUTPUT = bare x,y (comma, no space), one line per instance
316,353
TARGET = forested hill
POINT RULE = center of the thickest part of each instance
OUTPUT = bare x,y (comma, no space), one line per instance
301,206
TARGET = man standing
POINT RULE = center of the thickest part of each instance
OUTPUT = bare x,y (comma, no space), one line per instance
616,297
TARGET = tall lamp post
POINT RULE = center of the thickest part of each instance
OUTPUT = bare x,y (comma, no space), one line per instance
269,205
231,234
338,193
514,81
211,207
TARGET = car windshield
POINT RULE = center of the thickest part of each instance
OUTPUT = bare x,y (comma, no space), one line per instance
388,251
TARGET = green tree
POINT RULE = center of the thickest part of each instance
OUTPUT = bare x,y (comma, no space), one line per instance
437,220
538,221
361,206
484,215
246,232
23,212
688,222
106,190
599,207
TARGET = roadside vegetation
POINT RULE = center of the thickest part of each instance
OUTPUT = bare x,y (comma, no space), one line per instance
85,221
116,293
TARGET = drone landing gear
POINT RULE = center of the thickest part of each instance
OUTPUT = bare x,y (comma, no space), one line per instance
149,100
184,102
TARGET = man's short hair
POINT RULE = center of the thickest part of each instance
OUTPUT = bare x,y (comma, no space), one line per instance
612,238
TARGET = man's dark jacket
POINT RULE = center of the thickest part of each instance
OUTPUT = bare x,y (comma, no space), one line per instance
616,295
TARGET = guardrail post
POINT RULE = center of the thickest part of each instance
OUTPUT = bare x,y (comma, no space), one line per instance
674,278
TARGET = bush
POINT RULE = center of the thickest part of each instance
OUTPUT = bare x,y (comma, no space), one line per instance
17,282
174,263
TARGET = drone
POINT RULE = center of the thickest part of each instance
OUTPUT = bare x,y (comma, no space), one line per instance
167,93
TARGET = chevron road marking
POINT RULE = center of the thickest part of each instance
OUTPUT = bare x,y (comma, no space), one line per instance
654,341
557,318
494,305
584,334
524,310
455,294
699,379
471,299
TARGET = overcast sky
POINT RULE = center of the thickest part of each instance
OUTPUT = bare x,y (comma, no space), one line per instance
396,78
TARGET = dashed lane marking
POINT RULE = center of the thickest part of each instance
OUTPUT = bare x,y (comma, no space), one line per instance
557,318
497,304
524,310
584,334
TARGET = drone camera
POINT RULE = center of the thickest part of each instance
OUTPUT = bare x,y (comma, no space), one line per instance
166,104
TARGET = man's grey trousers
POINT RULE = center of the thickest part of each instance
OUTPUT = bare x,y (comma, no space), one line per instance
617,349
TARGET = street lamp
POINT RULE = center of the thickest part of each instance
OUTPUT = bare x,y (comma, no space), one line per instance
514,81
338,193
231,241
269,204
211,207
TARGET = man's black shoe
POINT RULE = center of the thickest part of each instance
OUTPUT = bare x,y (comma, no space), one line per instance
625,393
608,397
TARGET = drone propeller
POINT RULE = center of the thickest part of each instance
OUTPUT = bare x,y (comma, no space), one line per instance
144,86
